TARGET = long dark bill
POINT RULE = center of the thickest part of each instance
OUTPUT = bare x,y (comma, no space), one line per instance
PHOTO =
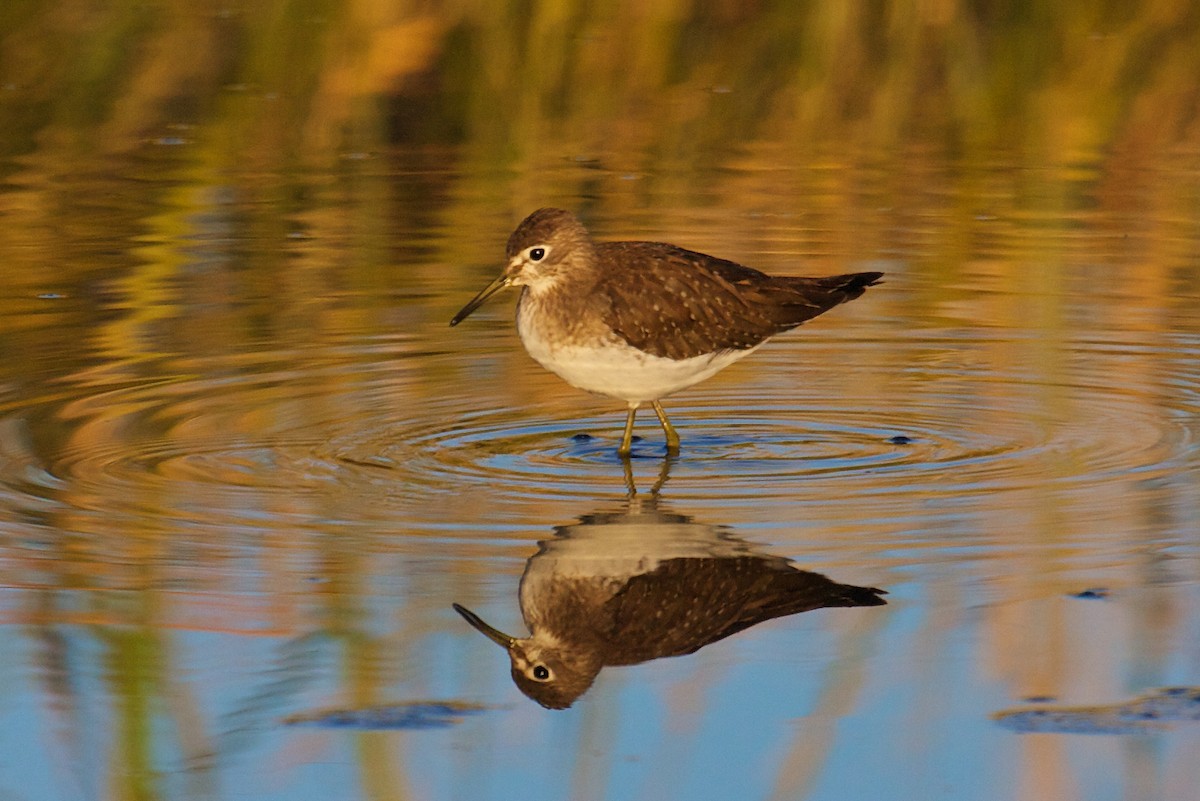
477,301
495,635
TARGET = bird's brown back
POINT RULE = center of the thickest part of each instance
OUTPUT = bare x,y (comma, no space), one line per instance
702,304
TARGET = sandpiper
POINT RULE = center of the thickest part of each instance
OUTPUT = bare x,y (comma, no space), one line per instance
641,583
640,320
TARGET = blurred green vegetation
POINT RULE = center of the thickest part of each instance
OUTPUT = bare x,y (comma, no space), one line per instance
185,183
675,83
198,178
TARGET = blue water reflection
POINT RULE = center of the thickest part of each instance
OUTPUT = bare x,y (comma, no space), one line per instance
246,468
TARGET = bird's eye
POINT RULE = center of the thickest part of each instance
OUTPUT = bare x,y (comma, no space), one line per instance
537,254
541,672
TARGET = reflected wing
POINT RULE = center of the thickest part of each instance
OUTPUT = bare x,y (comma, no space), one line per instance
685,604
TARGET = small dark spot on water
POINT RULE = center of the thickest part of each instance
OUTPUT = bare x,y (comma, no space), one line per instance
1092,593
582,437
50,296
900,439
414,715
377,462
1152,712
1038,699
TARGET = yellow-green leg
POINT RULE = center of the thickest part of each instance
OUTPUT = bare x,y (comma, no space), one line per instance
627,440
664,472
630,485
672,435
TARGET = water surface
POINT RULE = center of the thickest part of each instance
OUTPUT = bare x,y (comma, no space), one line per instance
246,467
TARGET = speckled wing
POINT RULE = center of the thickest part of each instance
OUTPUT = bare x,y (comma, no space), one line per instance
686,604
703,304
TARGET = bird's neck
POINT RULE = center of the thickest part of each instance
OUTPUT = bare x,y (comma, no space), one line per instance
562,310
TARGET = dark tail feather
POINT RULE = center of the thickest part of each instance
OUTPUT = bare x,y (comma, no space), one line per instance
850,284
801,299
849,595
801,591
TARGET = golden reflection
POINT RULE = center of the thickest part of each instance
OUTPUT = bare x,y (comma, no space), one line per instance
642,583
228,233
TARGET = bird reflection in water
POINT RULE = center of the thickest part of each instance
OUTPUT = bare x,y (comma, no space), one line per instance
625,587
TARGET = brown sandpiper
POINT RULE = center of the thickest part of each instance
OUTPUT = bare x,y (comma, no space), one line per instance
638,321
640,583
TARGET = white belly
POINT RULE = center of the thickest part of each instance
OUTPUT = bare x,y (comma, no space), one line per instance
619,370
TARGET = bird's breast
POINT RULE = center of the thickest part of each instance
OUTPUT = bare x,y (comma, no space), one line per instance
593,358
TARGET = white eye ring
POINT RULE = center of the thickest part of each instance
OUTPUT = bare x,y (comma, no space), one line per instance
537,252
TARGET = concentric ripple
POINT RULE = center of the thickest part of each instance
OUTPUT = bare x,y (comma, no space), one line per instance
277,441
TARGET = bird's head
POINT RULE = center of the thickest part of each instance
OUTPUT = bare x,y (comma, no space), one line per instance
547,672
546,246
